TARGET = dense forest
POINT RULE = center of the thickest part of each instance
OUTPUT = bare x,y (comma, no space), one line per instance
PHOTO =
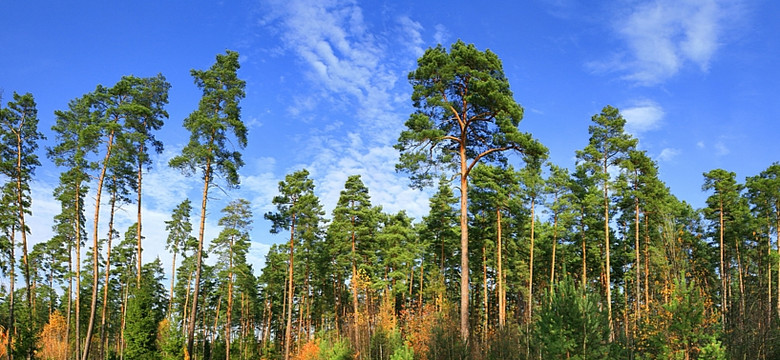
518,258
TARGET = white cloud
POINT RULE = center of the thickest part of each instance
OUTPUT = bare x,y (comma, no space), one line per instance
668,154
721,148
643,117
411,35
662,36
700,145
441,35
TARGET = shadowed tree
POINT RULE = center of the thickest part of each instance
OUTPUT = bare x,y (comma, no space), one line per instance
464,113
209,151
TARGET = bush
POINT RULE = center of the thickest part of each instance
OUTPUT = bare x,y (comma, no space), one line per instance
338,350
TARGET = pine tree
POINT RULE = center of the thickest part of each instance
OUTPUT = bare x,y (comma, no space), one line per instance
231,248
20,136
298,210
146,308
609,144
465,113
207,152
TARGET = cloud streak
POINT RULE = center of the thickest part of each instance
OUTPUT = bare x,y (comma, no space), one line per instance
349,64
664,36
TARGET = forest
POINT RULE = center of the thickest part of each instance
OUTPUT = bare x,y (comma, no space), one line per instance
517,258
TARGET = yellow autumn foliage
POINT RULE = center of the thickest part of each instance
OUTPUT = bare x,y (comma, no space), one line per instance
53,343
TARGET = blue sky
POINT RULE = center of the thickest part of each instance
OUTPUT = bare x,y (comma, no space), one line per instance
327,89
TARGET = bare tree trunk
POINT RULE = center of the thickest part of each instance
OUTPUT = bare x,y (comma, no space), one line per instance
722,269
70,294
96,249
355,308
173,277
531,264
105,282
198,261
464,247
124,322
11,320
78,272
647,263
22,226
608,269
637,261
500,275
138,223
554,245
484,297
228,313
290,289
584,263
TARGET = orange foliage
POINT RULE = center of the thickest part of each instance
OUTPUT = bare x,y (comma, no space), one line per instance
417,327
3,342
53,344
309,351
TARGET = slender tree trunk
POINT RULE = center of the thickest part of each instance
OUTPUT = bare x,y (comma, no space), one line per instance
290,289
647,263
484,296
500,275
608,269
420,301
584,263
777,228
173,278
138,216
531,264
96,249
78,272
105,281
722,269
216,317
22,226
464,245
229,312
741,285
554,245
769,270
70,295
185,309
124,321
355,309
198,261
11,300
637,261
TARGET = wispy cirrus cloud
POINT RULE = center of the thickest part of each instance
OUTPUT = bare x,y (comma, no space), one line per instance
353,65
668,154
663,36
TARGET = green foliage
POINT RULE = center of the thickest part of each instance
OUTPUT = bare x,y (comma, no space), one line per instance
145,310
403,353
169,341
570,324
385,344
218,114
335,350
